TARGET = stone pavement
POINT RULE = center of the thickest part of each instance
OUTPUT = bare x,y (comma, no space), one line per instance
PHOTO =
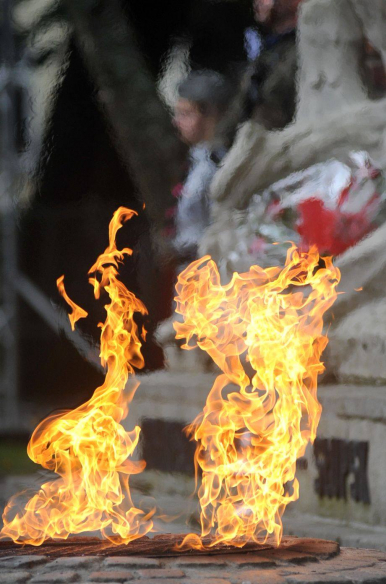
297,561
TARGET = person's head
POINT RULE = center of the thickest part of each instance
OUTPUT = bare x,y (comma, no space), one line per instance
202,100
263,10
278,16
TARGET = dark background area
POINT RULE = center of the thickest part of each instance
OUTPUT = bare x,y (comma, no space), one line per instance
81,181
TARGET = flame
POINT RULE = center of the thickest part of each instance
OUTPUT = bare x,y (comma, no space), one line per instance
264,330
88,447
77,311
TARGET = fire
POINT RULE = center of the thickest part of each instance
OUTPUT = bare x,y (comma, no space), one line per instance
88,447
77,311
264,330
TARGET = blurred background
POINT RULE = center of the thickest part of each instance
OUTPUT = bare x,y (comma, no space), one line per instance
227,125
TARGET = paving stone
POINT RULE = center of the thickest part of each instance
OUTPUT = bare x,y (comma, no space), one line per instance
324,571
285,565
166,581
259,577
251,560
14,577
318,579
202,561
55,577
214,575
355,553
294,570
364,553
366,576
318,547
339,564
22,561
112,576
131,562
289,555
161,573
206,580
74,562
348,560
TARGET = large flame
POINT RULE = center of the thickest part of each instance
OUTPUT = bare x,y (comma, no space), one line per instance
88,447
264,331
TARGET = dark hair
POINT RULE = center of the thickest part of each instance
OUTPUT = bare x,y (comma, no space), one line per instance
208,89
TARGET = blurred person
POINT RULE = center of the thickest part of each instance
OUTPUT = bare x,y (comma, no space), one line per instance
202,101
270,95
280,14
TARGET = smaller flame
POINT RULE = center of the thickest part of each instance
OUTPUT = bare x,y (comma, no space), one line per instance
77,311
264,330
88,447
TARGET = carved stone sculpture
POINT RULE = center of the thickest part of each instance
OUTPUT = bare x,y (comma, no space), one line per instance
334,114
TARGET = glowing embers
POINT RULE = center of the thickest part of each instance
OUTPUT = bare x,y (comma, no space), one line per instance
88,447
264,331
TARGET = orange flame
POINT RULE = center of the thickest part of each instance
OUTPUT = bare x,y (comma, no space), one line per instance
77,311
264,330
88,447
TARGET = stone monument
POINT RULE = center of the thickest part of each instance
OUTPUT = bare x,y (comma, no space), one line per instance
342,478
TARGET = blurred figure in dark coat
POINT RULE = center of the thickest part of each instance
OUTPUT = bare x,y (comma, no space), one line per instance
271,77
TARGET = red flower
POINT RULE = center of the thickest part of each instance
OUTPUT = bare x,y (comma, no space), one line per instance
330,230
